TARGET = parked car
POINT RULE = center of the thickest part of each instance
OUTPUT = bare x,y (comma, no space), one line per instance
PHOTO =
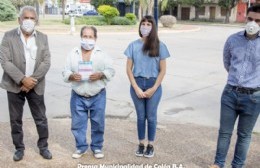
77,13
90,12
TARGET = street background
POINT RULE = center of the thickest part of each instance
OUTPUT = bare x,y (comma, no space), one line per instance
188,115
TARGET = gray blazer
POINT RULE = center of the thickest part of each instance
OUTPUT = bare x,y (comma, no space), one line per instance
13,62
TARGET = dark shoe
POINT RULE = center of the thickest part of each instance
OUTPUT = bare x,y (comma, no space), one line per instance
18,155
140,150
46,154
149,151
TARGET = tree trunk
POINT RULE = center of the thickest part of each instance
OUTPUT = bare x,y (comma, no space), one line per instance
150,7
37,7
196,13
227,16
140,13
133,6
63,9
43,9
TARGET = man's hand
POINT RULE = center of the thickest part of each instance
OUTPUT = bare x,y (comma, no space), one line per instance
25,89
29,82
75,77
96,76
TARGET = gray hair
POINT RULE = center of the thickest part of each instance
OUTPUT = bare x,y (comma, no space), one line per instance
88,27
28,8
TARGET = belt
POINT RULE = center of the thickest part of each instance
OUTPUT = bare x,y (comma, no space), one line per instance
245,90
89,96
144,77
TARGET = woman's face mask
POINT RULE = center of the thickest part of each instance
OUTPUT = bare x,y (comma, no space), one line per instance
28,25
88,44
145,30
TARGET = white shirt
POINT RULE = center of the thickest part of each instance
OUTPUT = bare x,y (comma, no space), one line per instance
100,62
30,52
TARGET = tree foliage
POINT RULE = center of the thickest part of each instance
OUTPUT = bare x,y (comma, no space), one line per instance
8,11
108,12
228,5
128,2
196,3
20,3
97,3
167,4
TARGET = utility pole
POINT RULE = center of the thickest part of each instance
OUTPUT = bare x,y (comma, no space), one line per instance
156,12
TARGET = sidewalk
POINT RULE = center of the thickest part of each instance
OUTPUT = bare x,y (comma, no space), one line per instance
191,145
65,29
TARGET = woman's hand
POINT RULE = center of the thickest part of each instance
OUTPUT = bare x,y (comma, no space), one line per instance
149,92
139,92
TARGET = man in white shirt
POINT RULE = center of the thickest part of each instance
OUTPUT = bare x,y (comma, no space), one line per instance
88,69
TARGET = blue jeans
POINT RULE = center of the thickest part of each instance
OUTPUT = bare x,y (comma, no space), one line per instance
83,108
246,108
146,109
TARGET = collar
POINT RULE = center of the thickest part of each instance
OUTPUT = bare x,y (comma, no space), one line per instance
19,31
243,33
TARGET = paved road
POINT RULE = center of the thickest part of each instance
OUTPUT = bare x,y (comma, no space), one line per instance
191,88
188,114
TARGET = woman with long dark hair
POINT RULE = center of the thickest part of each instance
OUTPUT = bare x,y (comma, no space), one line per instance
146,67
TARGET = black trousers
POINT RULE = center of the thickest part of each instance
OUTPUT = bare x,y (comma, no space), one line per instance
36,103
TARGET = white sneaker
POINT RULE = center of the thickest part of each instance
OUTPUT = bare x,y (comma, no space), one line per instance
98,154
78,153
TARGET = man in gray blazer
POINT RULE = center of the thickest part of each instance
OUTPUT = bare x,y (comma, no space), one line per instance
25,59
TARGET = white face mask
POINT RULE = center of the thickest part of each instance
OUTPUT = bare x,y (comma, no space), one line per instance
28,25
145,31
252,28
88,44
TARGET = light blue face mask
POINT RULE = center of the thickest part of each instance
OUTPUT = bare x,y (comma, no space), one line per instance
87,44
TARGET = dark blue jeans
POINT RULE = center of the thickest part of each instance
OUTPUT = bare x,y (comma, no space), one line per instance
146,109
246,108
83,108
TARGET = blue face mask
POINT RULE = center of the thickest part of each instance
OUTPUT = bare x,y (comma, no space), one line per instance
87,44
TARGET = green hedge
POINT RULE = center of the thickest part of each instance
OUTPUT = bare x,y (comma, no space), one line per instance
108,12
8,11
130,16
88,20
99,21
121,21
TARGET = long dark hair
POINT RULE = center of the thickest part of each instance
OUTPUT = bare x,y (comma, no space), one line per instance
151,44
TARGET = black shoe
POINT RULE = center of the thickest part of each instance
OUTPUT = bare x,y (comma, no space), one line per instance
140,150
18,155
46,154
149,151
